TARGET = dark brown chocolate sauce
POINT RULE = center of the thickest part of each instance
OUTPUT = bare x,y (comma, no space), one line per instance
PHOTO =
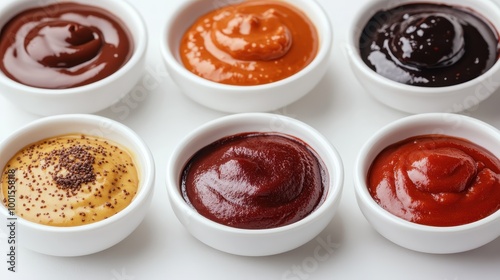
63,45
431,45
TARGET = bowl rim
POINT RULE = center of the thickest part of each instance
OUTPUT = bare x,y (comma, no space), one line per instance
359,21
362,161
147,171
133,19
336,176
324,49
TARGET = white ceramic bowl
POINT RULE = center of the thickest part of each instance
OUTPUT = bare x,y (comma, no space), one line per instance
254,242
238,99
88,98
416,99
90,238
423,238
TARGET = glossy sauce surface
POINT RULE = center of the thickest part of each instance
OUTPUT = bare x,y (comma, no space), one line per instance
436,180
249,43
69,180
429,45
63,45
255,181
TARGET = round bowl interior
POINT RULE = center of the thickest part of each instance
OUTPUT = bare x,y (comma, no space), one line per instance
258,242
81,99
416,99
90,238
429,239
238,99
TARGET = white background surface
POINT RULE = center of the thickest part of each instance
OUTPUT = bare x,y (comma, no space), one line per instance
162,249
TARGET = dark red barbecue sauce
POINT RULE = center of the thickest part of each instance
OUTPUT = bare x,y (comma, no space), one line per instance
255,180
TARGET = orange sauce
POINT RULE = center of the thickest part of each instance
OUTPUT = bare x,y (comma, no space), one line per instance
251,43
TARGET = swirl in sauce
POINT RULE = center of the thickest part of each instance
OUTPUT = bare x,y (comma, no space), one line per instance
250,43
63,45
436,180
255,181
429,45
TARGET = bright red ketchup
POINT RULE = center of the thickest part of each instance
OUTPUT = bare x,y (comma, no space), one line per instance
436,180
